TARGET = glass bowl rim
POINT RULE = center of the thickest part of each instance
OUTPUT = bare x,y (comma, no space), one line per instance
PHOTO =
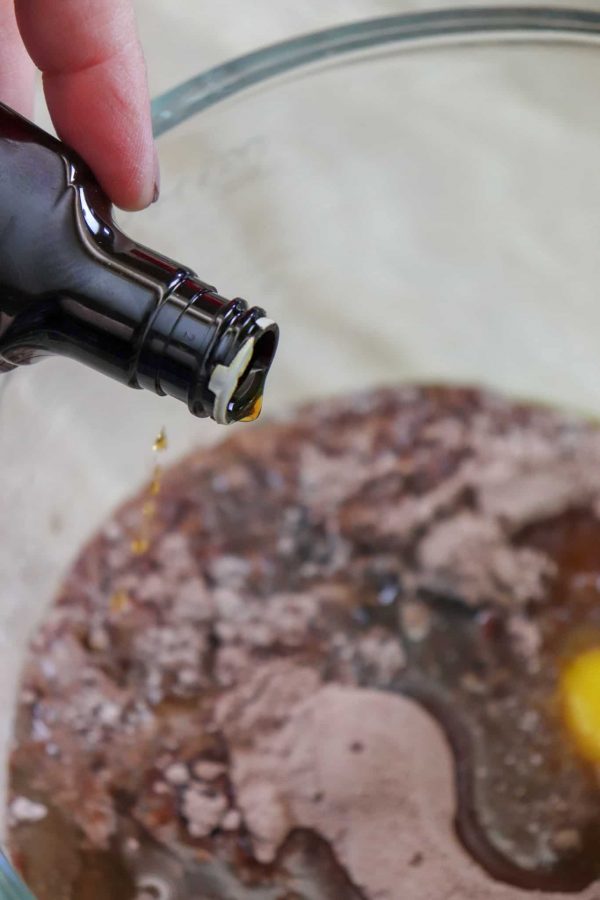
403,31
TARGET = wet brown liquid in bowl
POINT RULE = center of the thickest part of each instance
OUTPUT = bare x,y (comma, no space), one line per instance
440,544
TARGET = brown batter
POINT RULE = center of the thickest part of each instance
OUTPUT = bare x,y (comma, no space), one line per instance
259,707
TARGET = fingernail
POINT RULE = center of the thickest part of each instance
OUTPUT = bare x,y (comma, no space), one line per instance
156,176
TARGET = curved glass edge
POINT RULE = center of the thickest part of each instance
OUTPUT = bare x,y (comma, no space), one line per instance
441,26
11,886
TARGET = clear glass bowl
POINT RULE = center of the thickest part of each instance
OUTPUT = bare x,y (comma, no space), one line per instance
402,215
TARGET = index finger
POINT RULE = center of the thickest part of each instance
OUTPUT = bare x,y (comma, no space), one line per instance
96,90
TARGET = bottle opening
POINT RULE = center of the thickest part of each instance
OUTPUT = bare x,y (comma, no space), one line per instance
238,387
264,349
260,361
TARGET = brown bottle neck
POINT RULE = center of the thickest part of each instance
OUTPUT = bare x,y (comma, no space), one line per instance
71,283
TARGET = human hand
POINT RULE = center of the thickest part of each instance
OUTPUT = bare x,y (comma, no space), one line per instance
95,85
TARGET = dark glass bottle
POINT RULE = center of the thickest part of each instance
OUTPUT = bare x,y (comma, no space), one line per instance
72,284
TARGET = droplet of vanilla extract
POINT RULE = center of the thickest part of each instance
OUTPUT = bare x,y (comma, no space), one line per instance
254,411
140,543
119,602
160,442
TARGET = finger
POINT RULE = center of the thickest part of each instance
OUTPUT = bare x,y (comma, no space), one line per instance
96,89
17,71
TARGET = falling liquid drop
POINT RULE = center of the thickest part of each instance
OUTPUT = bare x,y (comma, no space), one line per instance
255,410
155,484
139,546
160,442
141,543
119,602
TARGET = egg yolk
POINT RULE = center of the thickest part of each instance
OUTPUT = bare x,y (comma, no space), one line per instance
580,694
